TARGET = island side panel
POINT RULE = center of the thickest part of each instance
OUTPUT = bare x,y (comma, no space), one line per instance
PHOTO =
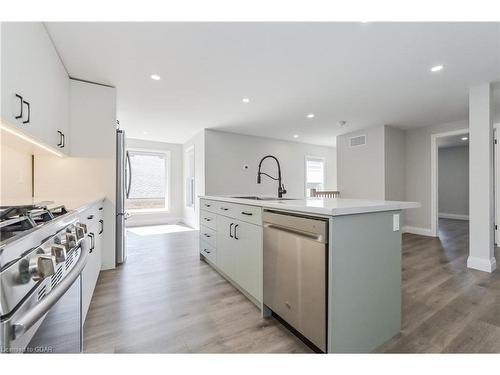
364,282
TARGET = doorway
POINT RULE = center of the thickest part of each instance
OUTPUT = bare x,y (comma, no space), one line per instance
450,181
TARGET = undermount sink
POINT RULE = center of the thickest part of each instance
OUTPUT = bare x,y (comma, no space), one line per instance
256,198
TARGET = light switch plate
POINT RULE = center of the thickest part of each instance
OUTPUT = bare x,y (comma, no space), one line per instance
395,222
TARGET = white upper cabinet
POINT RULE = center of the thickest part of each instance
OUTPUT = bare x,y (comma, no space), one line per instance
35,84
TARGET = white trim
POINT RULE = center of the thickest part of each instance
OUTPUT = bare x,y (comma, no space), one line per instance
434,176
419,231
486,265
496,179
443,215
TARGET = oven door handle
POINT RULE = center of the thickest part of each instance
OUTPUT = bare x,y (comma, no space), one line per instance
27,321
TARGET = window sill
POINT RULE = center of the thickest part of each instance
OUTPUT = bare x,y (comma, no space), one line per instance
148,210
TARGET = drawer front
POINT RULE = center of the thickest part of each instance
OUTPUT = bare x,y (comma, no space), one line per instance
226,208
208,219
208,251
208,234
250,214
209,205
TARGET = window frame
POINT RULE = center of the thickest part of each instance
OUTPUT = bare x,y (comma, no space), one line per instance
168,162
313,157
187,151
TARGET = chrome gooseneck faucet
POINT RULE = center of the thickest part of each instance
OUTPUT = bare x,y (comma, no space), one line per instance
281,187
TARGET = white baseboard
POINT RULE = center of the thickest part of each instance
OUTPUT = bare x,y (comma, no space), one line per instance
417,230
481,264
443,215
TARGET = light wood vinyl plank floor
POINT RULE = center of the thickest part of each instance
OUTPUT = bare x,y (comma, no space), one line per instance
165,300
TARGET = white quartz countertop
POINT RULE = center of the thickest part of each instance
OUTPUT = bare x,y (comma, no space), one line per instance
322,206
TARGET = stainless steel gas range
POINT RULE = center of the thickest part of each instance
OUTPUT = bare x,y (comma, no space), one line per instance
42,254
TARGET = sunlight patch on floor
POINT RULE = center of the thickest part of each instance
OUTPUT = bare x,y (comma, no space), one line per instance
159,229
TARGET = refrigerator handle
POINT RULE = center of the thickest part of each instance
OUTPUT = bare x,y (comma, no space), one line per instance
129,175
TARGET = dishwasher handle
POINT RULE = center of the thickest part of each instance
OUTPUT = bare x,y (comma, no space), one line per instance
317,237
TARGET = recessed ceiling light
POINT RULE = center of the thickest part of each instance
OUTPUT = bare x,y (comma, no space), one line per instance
245,100
155,77
437,68
310,115
464,138
295,136
145,133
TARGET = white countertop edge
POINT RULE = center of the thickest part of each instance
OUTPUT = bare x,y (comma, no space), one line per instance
330,206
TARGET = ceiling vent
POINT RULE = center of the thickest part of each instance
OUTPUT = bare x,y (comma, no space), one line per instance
359,140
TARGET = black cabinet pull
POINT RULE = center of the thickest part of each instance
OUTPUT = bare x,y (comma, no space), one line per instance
63,140
22,105
207,219
206,235
60,138
247,213
206,251
90,217
100,208
29,112
230,230
224,208
235,237
208,205
102,226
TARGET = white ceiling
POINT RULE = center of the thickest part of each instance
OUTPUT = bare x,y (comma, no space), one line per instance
364,73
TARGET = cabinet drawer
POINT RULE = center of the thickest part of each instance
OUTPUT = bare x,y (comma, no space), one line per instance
208,219
208,234
208,205
250,214
208,251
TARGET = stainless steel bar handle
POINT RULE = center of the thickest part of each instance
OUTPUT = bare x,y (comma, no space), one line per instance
311,236
39,310
129,174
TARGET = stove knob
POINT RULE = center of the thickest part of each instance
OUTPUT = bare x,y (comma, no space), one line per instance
59,253
71,240
42,266
81,230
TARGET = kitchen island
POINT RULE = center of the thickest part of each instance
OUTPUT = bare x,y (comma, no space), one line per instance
361,296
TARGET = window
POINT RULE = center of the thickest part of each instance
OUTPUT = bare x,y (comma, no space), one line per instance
149,183
315,174
189,183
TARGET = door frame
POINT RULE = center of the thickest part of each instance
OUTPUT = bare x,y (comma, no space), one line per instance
434,176
496,179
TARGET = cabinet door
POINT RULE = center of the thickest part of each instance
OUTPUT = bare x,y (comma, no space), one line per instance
226,247
248,246
32,69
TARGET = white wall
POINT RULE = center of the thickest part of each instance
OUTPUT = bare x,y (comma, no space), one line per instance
361,169
228,153
453,182
418,172
191,214
174,188
395,164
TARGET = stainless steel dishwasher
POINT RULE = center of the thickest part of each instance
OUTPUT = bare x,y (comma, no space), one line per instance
296,272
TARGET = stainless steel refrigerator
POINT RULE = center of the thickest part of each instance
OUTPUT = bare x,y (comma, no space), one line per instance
123,180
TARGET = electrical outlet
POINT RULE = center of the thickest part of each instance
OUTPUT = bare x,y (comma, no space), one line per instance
395,222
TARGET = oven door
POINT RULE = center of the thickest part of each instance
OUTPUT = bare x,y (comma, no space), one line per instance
61,330
49,322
